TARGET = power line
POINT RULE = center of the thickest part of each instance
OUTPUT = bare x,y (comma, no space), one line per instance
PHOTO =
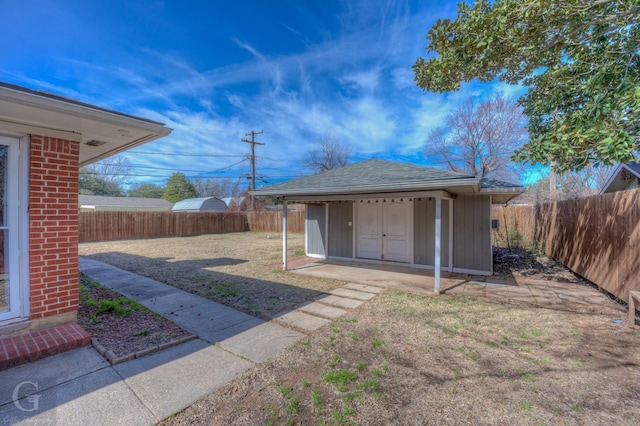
183,154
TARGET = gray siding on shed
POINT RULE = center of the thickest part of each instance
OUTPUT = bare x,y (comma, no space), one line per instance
424,217
315,227
340,233
472,233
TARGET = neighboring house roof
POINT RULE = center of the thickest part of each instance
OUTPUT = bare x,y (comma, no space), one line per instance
380,176
100,131
200,204
623,178
99,200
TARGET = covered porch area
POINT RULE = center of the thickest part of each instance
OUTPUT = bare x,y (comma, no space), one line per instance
511,288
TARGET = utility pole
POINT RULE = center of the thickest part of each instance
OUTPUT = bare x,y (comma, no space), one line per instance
253,155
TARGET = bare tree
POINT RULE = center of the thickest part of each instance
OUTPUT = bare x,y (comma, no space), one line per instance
588,181
215,187
117,169
479,139
328,153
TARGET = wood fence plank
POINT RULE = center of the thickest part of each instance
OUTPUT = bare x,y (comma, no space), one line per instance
597,237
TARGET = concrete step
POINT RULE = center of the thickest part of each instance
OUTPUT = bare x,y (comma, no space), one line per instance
300,320
319,309
365,288
342,302
352,294
28,347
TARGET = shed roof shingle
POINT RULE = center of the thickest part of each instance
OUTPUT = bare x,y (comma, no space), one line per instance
382,175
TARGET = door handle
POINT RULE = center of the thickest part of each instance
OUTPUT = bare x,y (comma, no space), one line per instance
384,235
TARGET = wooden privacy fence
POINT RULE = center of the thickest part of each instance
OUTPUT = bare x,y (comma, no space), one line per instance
597,237
105,226
271,221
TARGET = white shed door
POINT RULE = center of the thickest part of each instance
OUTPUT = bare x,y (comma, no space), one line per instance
369,225
396,231
384,231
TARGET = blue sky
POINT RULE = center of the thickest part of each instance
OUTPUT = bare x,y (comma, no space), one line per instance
215,70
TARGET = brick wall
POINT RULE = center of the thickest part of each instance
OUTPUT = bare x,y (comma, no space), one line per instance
53,226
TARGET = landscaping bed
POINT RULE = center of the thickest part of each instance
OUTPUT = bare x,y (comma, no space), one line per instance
122,326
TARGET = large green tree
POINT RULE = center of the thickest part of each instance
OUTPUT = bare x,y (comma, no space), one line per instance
179,188
578,58
92,184
146,190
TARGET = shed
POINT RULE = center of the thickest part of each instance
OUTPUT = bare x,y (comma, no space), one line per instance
625,176
44,140
388,212
99,203
206,204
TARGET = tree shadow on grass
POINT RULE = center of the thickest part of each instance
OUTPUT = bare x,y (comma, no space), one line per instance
263,298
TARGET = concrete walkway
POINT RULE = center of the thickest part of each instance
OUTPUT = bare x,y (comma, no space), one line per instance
80,387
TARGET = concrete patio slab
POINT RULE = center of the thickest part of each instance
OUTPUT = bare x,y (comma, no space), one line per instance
315,308
302,321
341,302
171,380
261,342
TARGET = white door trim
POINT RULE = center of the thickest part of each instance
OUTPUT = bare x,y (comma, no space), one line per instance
17,220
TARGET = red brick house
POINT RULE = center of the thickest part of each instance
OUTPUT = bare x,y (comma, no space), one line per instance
44,140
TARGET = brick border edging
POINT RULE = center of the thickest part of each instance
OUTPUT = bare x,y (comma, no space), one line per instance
114,359
35,345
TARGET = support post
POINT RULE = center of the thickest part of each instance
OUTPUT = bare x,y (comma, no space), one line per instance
436,266
450,235
284,235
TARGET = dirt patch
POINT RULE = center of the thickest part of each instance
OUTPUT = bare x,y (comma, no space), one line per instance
409,359
241,270
521,262
121,325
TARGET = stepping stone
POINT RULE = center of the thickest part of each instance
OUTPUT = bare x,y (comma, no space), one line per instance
302,321
352,294
339,301
365,288
319,309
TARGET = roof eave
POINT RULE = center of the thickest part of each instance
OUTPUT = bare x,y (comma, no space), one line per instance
368,189
32,112
504,195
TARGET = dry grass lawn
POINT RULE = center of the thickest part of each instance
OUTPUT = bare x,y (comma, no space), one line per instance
401,358
241,270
